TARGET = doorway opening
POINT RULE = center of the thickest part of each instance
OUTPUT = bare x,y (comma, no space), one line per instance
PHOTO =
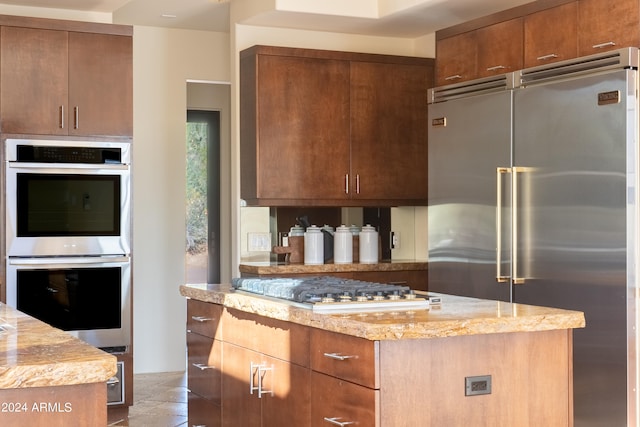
202,249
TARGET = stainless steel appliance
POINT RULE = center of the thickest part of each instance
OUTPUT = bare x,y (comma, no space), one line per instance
533,198
89,297
67,197
334,294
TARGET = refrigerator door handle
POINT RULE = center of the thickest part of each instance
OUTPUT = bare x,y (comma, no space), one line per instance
515,222
500,171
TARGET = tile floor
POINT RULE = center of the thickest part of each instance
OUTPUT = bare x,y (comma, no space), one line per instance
159,400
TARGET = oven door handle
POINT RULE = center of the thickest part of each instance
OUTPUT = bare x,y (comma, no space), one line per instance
58,167
61,261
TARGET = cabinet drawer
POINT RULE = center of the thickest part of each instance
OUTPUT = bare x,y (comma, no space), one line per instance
276,338
342,401
203,318
203,412
204,369
346,357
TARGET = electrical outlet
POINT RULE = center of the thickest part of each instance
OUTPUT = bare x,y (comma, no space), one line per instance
395,240
258,242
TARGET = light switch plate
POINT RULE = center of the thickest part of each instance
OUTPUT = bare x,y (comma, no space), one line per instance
258,242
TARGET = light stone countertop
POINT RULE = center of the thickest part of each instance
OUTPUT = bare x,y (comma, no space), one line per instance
34,354
266,267
455,316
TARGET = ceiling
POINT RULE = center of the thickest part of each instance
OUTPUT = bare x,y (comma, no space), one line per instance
423,17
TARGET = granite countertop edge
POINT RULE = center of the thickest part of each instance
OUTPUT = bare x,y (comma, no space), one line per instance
284,268
456,316
35,354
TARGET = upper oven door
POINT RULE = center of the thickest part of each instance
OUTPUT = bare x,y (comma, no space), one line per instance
67,209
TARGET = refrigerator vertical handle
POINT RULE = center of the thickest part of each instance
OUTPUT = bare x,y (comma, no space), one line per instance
500,278
517,280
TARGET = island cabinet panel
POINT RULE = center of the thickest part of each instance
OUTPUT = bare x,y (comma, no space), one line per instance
500,48
337,401
608,25
530,373
57,82
204,318
348,358
324,128
551,35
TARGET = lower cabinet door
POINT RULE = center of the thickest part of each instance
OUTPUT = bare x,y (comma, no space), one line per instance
337,402
289,404
240,407
203,412
205,366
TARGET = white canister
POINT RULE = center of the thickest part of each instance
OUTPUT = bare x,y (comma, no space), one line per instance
342,245
313,246
368,245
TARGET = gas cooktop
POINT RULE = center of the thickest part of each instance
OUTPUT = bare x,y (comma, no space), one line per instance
328,293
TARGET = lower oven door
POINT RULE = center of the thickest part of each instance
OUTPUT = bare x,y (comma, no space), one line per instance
90,297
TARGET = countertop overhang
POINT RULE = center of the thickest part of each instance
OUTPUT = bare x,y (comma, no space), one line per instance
35,354
455,316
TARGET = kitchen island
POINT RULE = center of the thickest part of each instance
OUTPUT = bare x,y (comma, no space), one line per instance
463,362
48,377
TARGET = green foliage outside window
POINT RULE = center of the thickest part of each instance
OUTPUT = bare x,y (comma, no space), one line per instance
197,139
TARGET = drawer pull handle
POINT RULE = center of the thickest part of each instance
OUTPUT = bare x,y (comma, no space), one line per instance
547,57
335,421
201,319
202,366
454,77
260,371
496,68
113,381
601,45
338,356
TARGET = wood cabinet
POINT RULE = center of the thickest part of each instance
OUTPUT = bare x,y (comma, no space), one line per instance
551,35
282,373
57,82
323,128
500,48
606,25
204,358
456,58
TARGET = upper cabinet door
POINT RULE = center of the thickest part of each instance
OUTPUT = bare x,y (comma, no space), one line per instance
607,25
500,48
551,35
294,129
456,59
33,78
389,131
100,84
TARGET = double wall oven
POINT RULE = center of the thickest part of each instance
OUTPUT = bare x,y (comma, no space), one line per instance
68,236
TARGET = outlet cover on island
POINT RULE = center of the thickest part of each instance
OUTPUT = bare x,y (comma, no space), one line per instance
258,242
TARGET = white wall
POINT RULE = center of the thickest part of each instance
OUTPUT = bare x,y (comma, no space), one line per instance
164,60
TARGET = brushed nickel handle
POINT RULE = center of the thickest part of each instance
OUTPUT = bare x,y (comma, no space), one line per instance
113,381
62,117
453,77
335,421
201,319
262,371
338,356
202,366
346,184
547,57
496,68
515,225
602,45
76,117
500,278
357,183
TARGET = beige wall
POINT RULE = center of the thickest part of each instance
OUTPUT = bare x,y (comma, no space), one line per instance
164,61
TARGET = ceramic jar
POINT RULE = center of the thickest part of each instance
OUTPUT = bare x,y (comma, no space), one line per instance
313,246
368,240
342,245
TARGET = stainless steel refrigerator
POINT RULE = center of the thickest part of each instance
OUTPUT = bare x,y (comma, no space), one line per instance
533,191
